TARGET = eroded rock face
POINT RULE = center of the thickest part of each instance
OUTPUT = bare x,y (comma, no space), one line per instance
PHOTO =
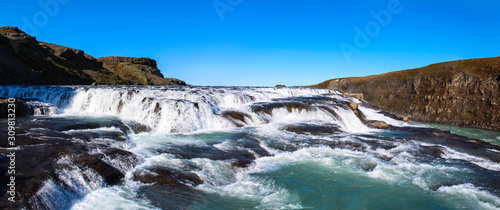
141,71
463,93
26,61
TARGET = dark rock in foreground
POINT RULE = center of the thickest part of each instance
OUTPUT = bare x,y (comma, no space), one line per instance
51,153
22,109
166,176
26,61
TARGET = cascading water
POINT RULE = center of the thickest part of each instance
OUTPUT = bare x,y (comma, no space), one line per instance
244,147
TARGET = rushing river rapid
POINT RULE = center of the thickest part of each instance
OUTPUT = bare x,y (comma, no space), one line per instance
237,148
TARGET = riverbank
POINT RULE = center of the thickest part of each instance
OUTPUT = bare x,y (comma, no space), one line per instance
462,93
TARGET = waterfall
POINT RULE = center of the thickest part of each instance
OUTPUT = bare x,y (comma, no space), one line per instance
189,109
206,147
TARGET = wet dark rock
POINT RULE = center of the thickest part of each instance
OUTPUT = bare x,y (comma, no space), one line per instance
236,117
247,141
120,106
176,197
42,143
312,129
331,111
166,176
109,173
34,165
157,108
237,157
433,151
384,158
22,108
138,127
81,124
252,98
269,107
284,147
241,163
210,152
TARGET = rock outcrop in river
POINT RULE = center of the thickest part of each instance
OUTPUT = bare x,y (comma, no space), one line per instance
27,61
463,93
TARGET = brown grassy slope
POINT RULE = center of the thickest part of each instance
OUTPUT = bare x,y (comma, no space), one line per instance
463,93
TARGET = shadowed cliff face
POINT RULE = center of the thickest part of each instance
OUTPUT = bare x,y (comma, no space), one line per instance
26,61
463,93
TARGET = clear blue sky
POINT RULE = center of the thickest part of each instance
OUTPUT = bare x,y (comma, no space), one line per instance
262,42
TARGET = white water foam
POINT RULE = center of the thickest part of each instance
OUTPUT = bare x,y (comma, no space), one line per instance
471,197
484,163
118,197
371,114
188,110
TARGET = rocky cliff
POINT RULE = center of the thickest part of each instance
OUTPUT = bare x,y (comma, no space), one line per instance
26,61
464,93
141,71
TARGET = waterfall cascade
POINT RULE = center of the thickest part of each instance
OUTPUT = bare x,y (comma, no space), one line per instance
207,147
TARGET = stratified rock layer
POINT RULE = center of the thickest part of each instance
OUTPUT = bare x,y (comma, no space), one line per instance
463,93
